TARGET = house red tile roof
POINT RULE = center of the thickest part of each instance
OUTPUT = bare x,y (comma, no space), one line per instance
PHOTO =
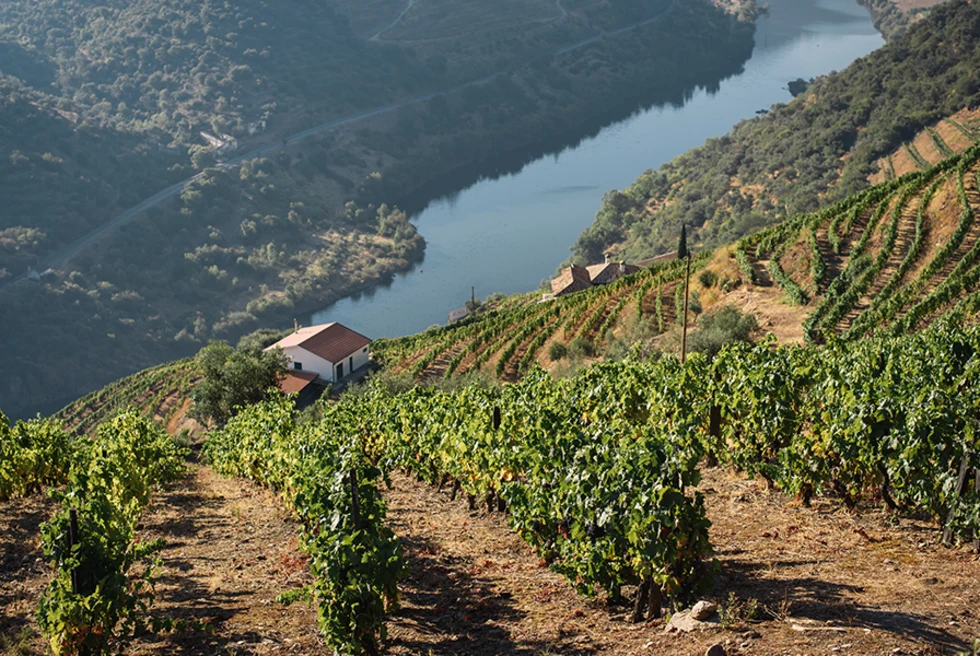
602,274
332,342
572,279
296,381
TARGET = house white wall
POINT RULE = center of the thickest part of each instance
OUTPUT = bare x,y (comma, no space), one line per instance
361,358
310,362
323,368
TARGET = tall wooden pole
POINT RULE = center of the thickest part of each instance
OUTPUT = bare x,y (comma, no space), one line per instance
687,289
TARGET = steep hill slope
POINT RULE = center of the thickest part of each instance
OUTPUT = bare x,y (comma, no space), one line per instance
892,17
151,76
816,150
162,393
893,259
811,482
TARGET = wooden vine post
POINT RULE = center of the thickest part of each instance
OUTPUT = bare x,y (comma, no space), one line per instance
76,587
687,289
957,493
714,430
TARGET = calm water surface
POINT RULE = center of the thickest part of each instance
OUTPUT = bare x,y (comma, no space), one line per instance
506,235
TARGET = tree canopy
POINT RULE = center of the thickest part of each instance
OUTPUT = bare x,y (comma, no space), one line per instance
234,378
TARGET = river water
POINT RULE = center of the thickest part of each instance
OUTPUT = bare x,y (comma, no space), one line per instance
507,234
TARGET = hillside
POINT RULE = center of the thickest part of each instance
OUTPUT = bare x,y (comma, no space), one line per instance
891,260
759,478
810,153
161,393
303,213
892,17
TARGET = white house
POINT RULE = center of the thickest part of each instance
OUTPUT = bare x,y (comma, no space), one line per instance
222,143
331,351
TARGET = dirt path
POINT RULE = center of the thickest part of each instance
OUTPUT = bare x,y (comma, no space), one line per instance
23,573
475,588
856,584
231,550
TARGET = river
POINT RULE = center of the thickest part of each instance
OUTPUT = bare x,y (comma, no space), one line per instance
509,233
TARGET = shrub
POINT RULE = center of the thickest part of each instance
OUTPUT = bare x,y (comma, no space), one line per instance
707,278
729,284
557,351
723,327
581,347
260,339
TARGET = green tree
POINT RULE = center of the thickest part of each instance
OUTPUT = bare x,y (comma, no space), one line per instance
201,157
682,251
260,339
234,378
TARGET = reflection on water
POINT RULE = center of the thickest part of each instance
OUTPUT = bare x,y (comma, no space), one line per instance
506,234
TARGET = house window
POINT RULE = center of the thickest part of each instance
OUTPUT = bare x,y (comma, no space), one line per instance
298,366
365,350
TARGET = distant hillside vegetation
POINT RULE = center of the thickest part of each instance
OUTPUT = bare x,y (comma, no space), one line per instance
892,17
816,150
140,80
104,104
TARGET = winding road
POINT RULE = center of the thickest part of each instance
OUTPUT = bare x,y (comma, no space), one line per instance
60,258
411,3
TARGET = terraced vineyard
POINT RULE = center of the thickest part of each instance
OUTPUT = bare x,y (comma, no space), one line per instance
161,393
506,342
947,137
892,259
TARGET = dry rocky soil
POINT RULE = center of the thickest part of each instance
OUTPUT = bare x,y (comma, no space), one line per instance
805,581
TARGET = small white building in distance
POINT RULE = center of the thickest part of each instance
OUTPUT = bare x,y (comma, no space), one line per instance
330,351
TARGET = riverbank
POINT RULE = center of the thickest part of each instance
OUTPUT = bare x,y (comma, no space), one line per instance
256,245
505,234
893,17
768,167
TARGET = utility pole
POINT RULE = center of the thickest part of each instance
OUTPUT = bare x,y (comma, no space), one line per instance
473,296
687,289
